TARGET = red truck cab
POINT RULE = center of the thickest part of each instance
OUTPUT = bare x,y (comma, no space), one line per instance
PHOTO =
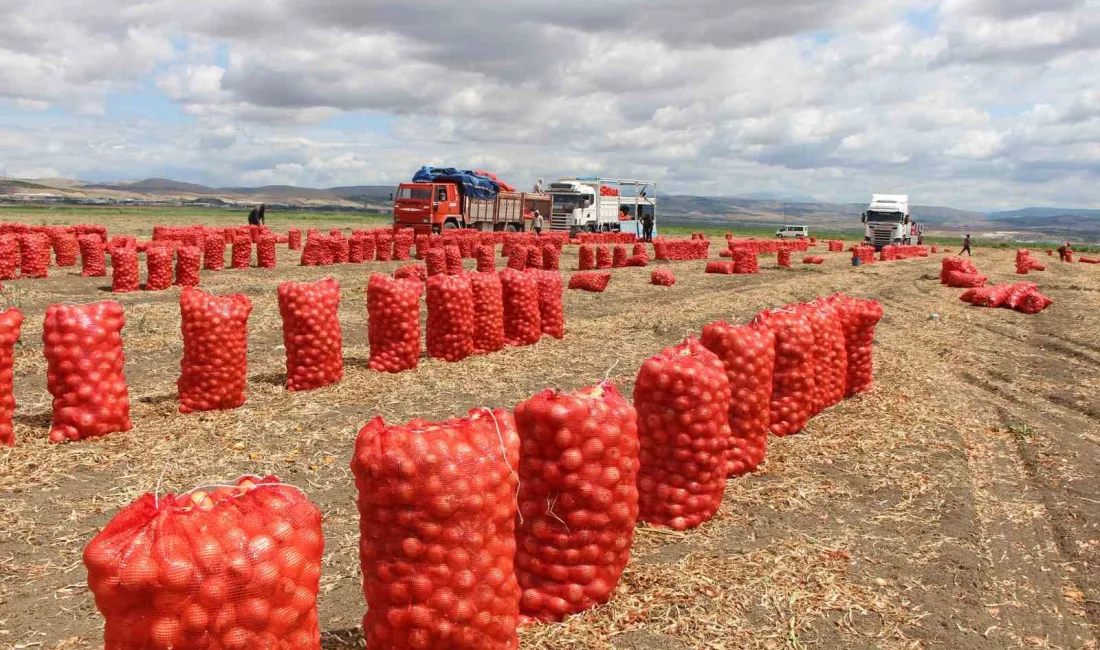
428,207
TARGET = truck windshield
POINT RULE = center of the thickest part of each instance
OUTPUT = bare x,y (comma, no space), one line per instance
884,217
416,193
566,202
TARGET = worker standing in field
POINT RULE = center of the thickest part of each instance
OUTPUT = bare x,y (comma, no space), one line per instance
256,217
647,226
536,222
1062,250
966,247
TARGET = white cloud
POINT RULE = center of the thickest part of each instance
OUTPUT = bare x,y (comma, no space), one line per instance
994,105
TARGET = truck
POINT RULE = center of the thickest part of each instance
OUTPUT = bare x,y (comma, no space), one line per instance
442,199
594,204
887,221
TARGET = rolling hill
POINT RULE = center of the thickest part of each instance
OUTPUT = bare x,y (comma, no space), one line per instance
762,209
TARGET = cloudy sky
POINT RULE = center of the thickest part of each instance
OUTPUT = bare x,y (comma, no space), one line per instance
979,104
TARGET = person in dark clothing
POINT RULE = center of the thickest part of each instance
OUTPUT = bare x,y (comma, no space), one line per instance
256,217
1062,250
966,247
647,227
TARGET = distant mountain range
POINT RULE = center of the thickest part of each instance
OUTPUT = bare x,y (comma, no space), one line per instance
761,208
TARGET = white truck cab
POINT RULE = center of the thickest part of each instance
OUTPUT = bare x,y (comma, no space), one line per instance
793,232
887,221
593,204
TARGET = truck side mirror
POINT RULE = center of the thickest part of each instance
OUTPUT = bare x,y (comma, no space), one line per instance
391,196
864,217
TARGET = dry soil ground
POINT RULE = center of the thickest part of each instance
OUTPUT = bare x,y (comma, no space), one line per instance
955,506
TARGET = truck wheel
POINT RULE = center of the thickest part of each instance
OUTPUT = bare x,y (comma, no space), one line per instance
897,242
590,227
450,225
511,228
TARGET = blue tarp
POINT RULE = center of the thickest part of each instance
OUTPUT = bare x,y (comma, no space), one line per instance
473,185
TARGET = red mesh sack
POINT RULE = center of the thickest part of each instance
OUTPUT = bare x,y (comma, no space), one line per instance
793,377
720,268
383,246
450,317
522,325
10,257
369,248
93,256
518,259
416,272
963,280
454,259
265,251
578,499
10,322
217,567
488,295
747,353
393,323
402,247
486,258
213,257
35,252
437,510
436,261
640,250
783,258
355,250
603,257
241,256
423,244
994,296
663,277
188,261
551,257
590,281
587,260
618,256
858,318
65,249
315,251
85,370
534,257
124,270
551,309
311,333
338,244
294,239
214,368
1033,303
158,262
830,354
745,261
683,398
1017,292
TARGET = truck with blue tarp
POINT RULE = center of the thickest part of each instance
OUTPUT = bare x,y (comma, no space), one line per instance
442,198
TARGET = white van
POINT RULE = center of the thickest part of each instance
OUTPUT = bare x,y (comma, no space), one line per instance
793,232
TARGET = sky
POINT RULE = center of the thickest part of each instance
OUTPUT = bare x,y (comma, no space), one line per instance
976,104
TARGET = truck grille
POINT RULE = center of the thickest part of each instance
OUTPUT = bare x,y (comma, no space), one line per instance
559,222
881,237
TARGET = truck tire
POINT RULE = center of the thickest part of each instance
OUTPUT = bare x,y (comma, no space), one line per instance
511,228
897,242
450,224
590,227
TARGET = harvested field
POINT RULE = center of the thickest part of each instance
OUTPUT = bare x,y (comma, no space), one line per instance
955,506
